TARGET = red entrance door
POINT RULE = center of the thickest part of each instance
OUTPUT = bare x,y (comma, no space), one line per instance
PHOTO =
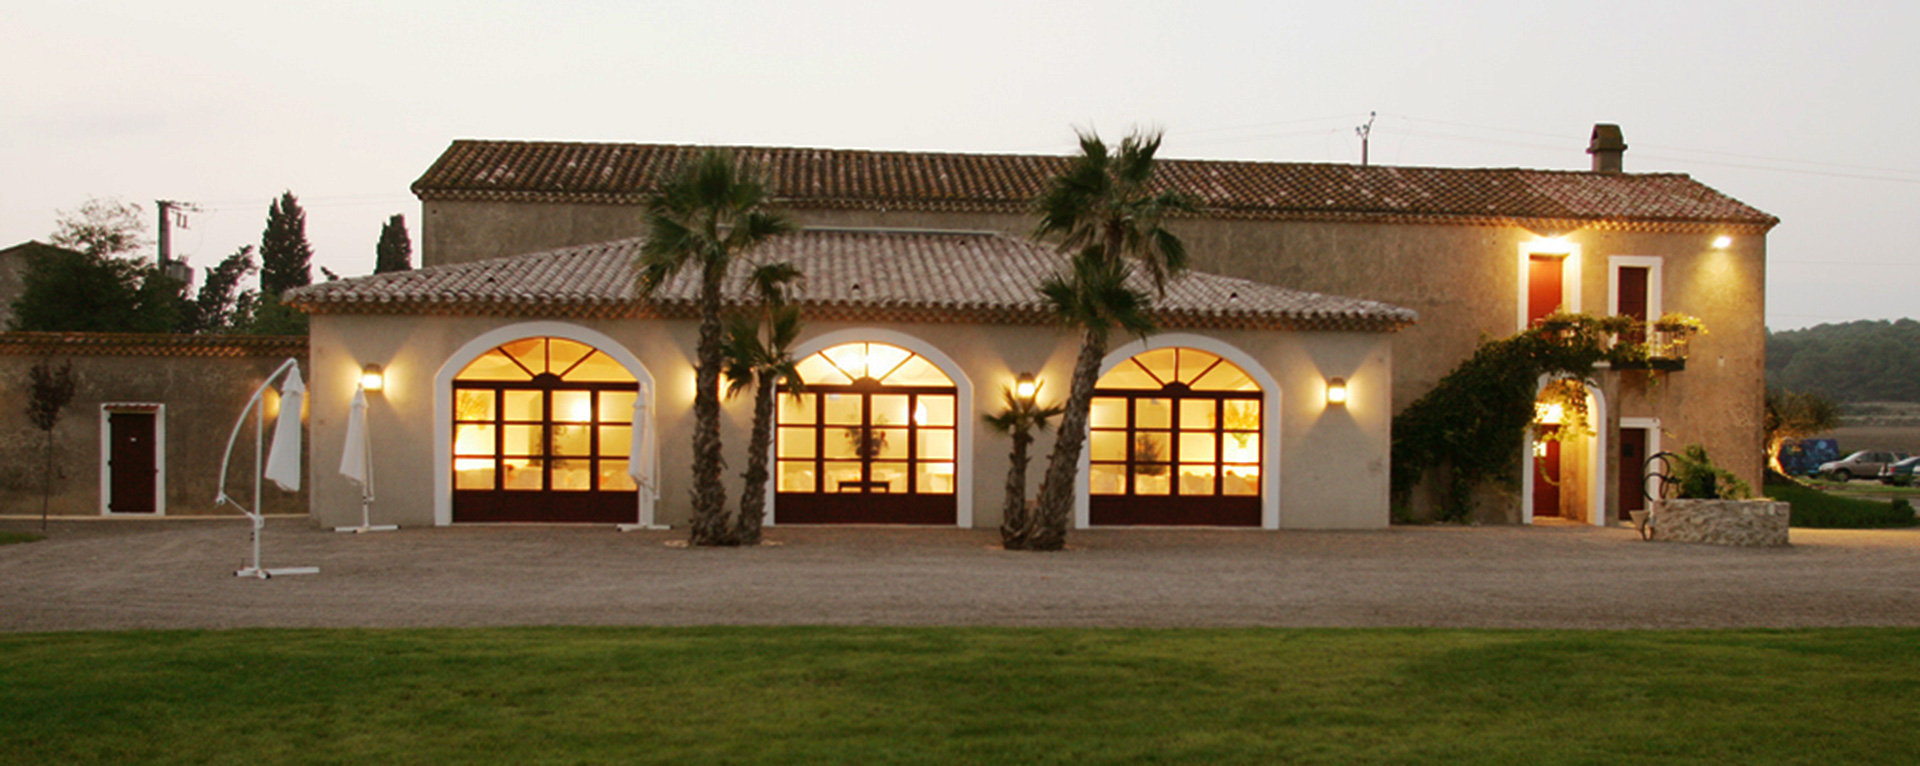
131,463
1543,286
1633,470
1546,477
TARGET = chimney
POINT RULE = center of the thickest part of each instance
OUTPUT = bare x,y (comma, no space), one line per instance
1606,147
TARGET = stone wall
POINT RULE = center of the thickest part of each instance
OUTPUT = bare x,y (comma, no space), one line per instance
1750,523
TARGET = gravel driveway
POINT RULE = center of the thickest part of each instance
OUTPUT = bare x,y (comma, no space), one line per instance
178,574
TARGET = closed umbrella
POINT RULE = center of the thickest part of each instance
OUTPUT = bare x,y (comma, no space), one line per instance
640,451
283,458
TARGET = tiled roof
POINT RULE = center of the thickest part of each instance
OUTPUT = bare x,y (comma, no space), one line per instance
852,274
858,179
145,344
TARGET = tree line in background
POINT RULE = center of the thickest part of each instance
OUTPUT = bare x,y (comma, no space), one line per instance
1864,361
96,278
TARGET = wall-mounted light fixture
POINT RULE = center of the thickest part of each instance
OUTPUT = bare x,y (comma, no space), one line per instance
1337,391
1025,387
372,378
1722,242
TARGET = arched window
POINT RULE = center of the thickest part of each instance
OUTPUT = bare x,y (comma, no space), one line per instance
1175,438
870,440
542,428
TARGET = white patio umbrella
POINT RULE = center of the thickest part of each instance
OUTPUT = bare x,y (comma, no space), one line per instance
283,459
283,467
640,451
356,462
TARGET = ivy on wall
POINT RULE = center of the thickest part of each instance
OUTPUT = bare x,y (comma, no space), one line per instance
1470,428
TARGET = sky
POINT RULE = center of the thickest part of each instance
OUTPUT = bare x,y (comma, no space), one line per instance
1806,110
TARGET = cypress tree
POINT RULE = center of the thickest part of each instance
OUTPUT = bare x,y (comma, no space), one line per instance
284,253
395,251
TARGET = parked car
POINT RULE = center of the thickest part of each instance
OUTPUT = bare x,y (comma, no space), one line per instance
1862,464
1900,474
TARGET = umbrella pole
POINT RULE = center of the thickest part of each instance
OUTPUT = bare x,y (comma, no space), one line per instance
256,515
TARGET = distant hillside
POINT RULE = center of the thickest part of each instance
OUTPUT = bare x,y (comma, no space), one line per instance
1865,361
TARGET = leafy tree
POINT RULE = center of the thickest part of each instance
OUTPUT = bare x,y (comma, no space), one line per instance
1795,415
710,212
284,253
1864,361
49,392
102,228
94,281
759,354
1019,418
395,251
1103,209
221,306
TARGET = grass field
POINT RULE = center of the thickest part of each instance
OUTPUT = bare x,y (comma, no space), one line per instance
9,538
1815,508
855,695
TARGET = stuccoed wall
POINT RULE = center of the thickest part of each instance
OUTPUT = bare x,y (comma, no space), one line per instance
203,395
1332,461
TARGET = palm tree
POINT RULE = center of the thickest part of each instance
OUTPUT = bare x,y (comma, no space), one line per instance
709,213
1103,209
1020,417
759,354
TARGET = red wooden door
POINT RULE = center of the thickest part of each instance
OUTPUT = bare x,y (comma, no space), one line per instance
1543,287
1633,470
1546,478
131,462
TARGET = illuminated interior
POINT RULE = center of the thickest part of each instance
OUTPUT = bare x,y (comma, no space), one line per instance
543,415
1175,422
873,419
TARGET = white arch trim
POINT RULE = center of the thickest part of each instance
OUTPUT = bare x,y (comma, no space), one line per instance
963,411
1269,418
487,341
1596,458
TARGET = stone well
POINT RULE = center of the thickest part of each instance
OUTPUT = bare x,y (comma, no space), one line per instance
1753,523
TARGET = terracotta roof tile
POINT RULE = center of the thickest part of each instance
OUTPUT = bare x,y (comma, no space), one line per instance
862,274
846,178
145,344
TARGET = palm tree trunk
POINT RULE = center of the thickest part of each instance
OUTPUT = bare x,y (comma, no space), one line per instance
1047,529
709,494
753,498
1014,514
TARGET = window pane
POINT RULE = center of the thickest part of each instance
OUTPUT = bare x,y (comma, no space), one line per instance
796,410
572,406
599,368
890,478
1193,362
935,444
1158,362
1128,375
1196,448
473,440
850,359
1108,479
817,371
887,443
1225,377
523,440
616,406
889,410
563,353
525,405
843,409
842,477
473,473
794,442
1107,413
917,371
473,405
1242,415
1240,447
573,475
1107,445
1152,479
524,474
1152,413
796,476
614,477
493,365
1240,480
843,442
882,359
935,479
572,440
1196,414
1152,447
1196,480
529,352
933,410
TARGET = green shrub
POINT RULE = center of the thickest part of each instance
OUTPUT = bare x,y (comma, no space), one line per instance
1700,479
1815,509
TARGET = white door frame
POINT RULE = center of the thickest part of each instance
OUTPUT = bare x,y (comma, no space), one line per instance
159,412
1596,457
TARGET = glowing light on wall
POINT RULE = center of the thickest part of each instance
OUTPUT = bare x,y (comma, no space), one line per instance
372,378
1337,391
1722,242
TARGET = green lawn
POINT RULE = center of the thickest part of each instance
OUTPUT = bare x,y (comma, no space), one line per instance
856,695
1814,508
9,538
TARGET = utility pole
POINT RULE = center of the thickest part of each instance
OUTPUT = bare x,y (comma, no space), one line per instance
170,212
1364,132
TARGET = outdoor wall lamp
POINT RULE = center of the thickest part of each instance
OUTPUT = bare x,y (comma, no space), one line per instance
1025,387
1722,242
1337,391
372,378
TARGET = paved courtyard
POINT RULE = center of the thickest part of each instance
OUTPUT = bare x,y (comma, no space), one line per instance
178,574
